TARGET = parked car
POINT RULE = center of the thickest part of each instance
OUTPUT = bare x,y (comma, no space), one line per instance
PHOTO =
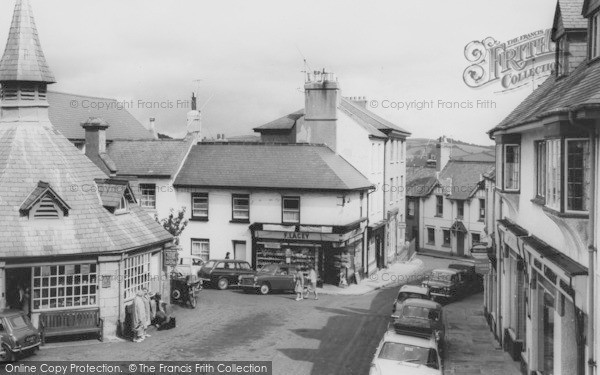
189,265
418,315
473,280
222,273
271,277
406,354
410,291
445,284
17,335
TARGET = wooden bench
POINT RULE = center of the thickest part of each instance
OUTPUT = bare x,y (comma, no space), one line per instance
64,323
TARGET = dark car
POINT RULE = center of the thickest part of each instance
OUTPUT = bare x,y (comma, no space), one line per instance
271,277
473,280
222,273
421,316
446,284
17,335
410,291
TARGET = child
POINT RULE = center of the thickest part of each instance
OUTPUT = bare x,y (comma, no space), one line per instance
299,280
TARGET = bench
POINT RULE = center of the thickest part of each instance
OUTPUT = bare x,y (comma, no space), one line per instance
65,323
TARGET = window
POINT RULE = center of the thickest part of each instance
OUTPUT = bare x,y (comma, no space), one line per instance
511,167
373,157
460,209
393,150
595,37
362,197
291,210
201,248
446,233
411,208
577,174
200,206
563,56
392,190
64,286
148,195
123,206
553,182
241,207
540,169
398,188
136,274
481,209
431,236
475,238
439,207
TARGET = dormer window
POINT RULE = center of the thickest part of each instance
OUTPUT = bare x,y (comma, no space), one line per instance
116,195
595,35
123,206
43,203
45,209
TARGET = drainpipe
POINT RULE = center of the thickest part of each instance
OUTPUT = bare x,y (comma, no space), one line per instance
591,247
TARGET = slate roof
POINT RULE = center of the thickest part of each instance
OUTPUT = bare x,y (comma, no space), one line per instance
375,125
155,158
41,190
465,177
481,156
420,182
67,118
30,152
570,12
23,58
580,89
281,166
111,191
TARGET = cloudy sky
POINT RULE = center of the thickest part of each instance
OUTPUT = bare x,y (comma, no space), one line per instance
249,56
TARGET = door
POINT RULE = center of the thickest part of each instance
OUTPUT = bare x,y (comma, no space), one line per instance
239,250
460,243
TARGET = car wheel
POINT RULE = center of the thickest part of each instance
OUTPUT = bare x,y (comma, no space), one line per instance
176,294
223,284
8,355
265,289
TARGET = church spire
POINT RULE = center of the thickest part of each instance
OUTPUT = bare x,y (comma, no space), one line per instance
23,58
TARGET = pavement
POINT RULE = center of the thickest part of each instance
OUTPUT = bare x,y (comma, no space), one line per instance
336,334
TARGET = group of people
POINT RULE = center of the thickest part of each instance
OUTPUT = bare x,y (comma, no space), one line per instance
301,290
148,310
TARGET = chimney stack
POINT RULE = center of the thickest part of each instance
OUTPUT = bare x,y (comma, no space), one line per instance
322,97
152,127
95,144
443,151
194,120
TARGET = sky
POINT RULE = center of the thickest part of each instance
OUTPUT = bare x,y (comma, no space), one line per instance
245,58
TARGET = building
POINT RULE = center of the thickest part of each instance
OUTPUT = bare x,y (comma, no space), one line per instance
264,203
546,208
71,234
446,205
373,145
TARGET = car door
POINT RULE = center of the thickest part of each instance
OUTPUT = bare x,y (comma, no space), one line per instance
231,272
280,277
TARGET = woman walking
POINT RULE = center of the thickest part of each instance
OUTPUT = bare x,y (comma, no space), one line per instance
299,280
312,282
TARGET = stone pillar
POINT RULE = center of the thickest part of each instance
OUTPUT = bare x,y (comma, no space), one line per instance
110,293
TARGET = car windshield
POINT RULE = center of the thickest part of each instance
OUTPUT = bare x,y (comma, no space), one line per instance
406,295
209,264
408,353
268,269
197,262
17,322
440,276
421,313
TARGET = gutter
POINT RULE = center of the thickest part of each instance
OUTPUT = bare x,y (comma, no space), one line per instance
591,248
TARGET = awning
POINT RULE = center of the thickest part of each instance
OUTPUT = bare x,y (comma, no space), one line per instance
517,230
458,226
569,266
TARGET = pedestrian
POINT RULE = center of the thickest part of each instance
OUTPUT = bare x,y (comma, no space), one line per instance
148,311
139,317
20,296
312,282
227,255
299,282
26,306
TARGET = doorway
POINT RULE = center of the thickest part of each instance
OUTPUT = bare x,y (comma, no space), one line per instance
17,281
239,250
460,243
548,333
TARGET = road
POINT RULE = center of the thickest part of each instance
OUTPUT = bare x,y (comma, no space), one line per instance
334,335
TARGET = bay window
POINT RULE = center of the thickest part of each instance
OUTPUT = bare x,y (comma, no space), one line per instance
512,162
540,148
595,35
553,177
136,274
577,171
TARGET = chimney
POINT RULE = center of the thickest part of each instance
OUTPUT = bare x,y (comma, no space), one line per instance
152,127
443,149
95,145
361,101
194,120
321,101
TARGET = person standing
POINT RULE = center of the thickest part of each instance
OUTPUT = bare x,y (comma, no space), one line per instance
26,303
299,284
312,282
139,317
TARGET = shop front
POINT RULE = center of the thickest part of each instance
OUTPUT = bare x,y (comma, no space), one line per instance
335,252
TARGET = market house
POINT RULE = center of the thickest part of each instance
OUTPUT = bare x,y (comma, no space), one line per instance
80,252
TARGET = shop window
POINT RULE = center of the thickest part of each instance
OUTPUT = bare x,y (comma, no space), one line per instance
460,208
481,209
136,274
148,195
199,206
475,238
241,207
439,206
64,286
512,162
446,233
291,210
431,236
201,248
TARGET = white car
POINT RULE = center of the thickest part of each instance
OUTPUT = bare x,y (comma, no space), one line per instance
405,354
189,265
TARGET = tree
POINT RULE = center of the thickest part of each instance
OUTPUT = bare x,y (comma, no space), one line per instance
174,224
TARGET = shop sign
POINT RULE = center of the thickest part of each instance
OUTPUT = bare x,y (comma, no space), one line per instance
299,236
482,267
510,240
171,256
